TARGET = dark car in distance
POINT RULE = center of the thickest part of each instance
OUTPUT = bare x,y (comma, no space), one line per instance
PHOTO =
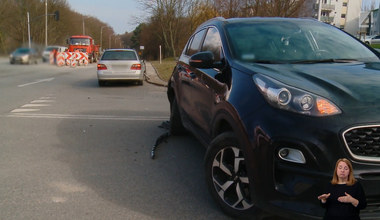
276,102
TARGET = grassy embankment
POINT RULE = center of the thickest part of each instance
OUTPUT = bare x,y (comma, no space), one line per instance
376,46
164,69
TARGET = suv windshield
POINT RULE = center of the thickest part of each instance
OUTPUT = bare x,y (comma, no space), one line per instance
295,41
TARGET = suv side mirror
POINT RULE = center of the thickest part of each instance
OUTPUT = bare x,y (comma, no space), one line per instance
203,60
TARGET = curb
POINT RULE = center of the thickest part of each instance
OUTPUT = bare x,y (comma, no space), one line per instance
159,82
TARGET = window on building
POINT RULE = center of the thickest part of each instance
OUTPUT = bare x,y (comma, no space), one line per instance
343,16
344,4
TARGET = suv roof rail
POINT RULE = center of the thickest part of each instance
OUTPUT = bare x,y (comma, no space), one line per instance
210,21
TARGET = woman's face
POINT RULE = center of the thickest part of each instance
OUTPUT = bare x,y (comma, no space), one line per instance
343,170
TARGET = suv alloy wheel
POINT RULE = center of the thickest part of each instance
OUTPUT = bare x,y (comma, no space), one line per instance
226,176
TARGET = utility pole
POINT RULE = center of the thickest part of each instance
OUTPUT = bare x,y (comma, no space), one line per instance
101,37
27,14
46,30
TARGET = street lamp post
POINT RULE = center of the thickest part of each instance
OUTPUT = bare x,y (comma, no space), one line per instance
27,14
46,30
101,37
83,24
83,27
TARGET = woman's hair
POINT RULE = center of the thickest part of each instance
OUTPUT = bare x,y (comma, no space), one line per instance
351,179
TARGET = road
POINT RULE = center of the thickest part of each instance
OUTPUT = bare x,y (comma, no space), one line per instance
72,150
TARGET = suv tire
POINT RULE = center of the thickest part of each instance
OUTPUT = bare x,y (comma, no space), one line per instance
225,168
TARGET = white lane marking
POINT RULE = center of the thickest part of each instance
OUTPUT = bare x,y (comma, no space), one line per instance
95,117
34,105
42,101
24,110
47,97
38,81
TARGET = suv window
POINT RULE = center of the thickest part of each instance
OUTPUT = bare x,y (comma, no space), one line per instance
213,43
196,43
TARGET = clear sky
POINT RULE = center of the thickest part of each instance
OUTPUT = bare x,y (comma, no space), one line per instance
121,15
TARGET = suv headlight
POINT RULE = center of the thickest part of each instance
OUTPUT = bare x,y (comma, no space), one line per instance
293,99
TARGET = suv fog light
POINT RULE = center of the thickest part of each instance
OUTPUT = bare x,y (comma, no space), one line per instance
292,155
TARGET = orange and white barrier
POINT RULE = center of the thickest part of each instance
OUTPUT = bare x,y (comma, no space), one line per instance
71,59
60,59
51,57
68,58
82,58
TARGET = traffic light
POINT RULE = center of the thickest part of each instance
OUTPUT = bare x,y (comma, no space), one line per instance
56,15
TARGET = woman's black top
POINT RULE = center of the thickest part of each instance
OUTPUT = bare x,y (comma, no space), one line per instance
338,210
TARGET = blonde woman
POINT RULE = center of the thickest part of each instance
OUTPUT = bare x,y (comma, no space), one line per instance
345,196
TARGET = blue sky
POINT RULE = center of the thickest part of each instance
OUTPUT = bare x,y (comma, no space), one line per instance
121,15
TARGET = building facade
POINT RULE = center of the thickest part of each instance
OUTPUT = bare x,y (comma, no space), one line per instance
343,14
369,22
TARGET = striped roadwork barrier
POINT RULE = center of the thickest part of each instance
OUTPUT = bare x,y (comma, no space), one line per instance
72,59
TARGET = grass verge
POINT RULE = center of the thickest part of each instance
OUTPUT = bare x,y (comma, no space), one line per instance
165,68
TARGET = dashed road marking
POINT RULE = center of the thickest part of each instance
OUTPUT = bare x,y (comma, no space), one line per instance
17,110
35,105
37,81
42,101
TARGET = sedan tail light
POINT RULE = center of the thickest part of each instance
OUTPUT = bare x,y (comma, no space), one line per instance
102,67
136,67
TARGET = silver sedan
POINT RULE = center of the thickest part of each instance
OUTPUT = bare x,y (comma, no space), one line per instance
120,65
24,55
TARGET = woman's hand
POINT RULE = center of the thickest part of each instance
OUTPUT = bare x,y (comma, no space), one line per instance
348,199
323,197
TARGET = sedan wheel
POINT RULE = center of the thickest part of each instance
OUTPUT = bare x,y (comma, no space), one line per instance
227,178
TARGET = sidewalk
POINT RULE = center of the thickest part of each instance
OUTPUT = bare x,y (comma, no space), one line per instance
152,76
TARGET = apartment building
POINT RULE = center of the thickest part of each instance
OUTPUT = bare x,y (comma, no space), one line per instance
343,14
369,23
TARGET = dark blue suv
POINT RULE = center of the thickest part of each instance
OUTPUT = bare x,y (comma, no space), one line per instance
276,102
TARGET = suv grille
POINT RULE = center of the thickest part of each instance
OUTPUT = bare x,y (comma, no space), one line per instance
363,142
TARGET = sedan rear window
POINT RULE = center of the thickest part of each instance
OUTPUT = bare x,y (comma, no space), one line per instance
119,55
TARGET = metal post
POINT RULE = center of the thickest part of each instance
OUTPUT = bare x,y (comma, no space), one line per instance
83,24
319,10
46,30
27,14
101,37
160,54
